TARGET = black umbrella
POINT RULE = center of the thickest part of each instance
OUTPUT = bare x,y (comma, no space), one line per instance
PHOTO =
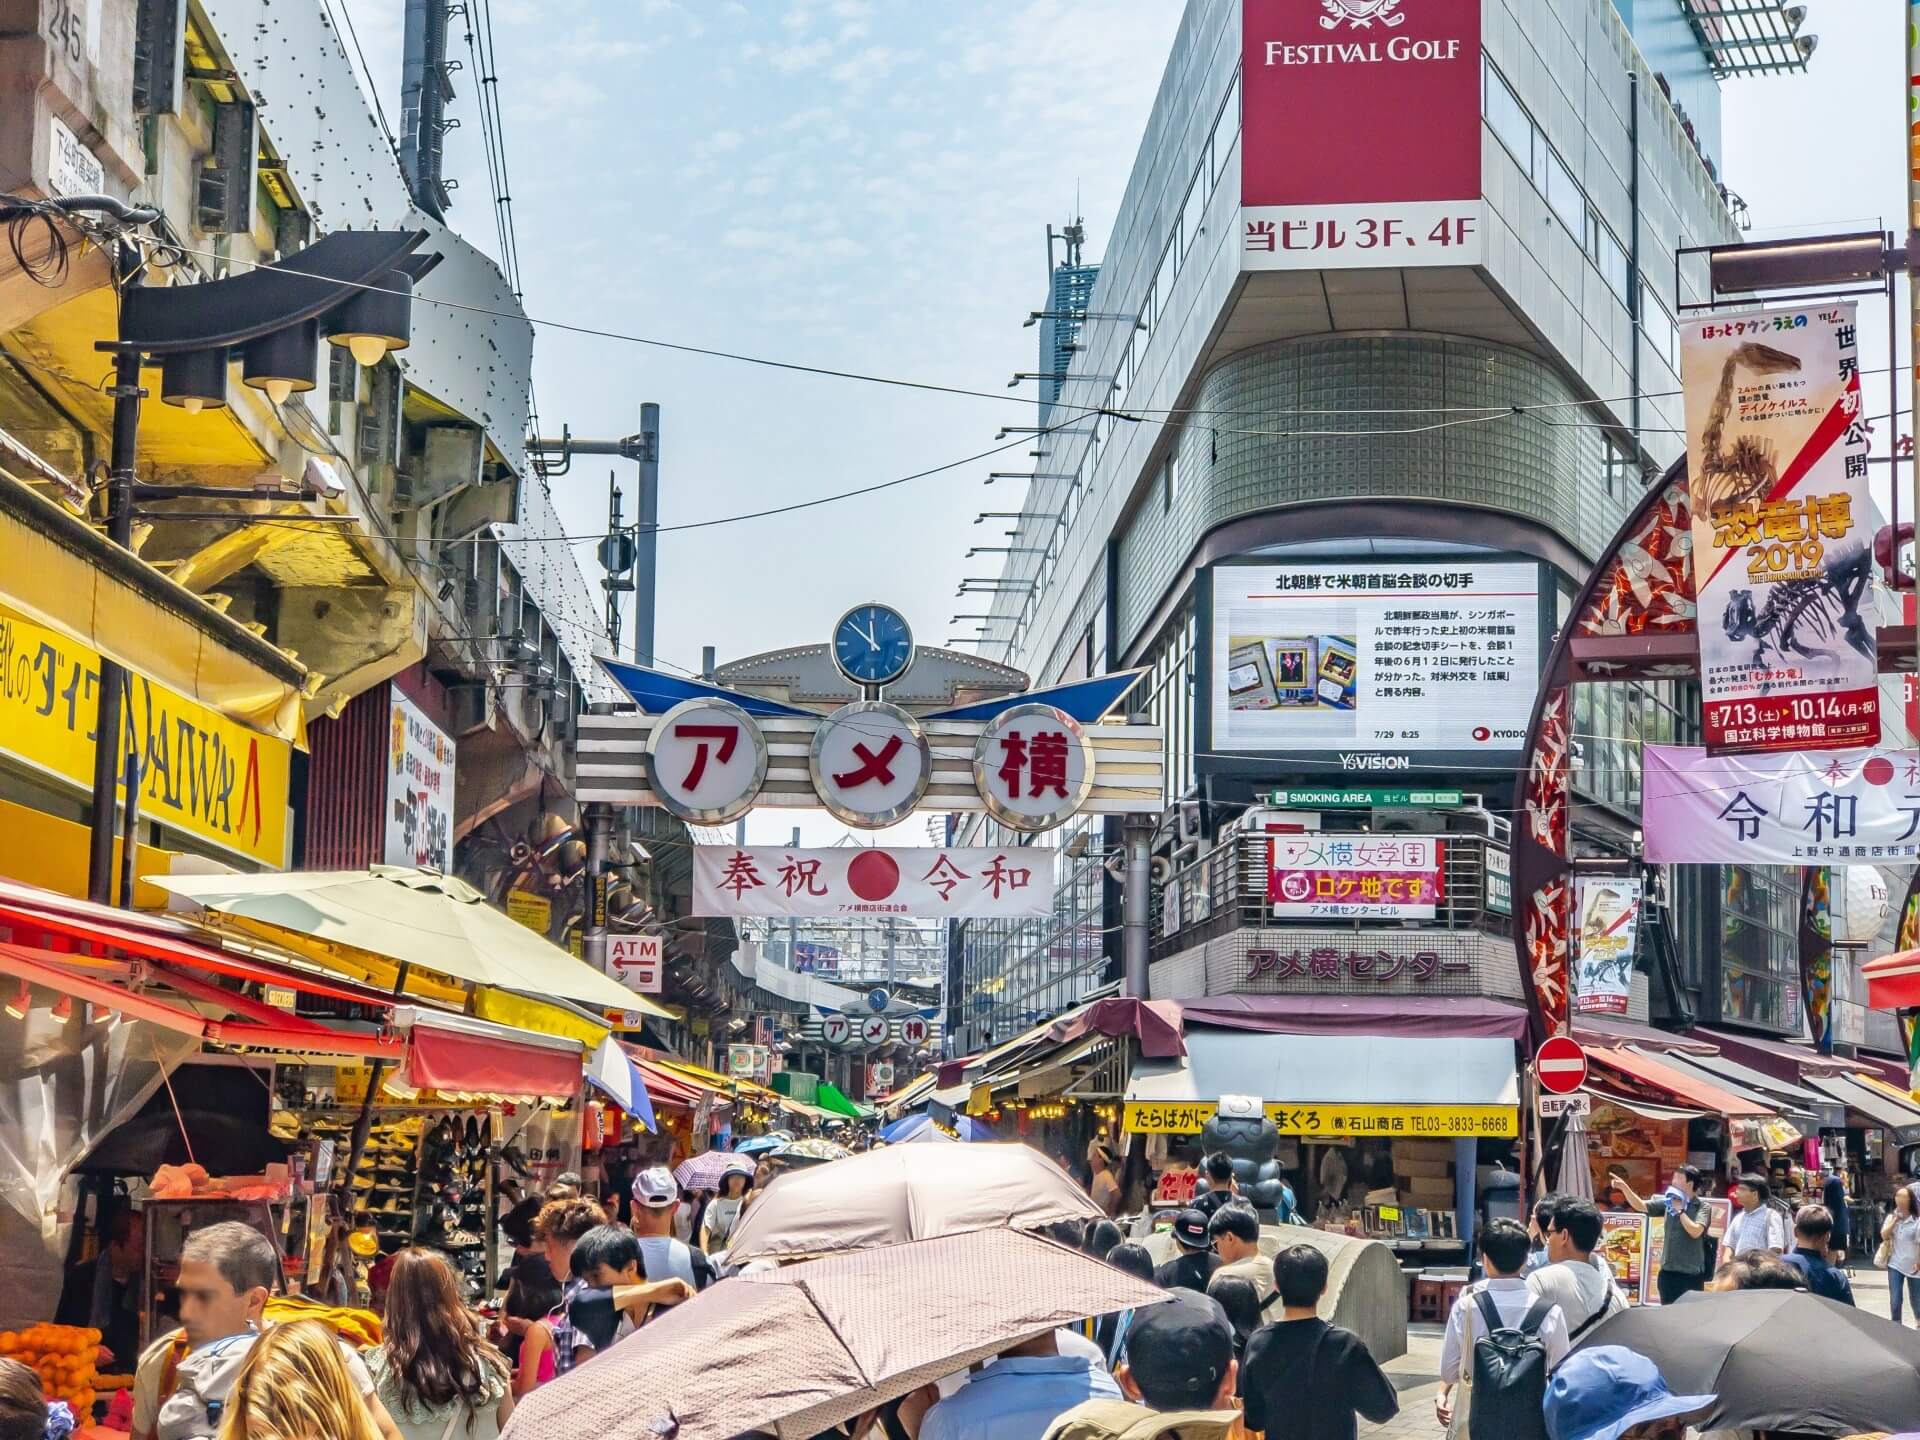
1778,1360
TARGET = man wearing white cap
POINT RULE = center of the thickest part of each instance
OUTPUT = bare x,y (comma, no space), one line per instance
655,1198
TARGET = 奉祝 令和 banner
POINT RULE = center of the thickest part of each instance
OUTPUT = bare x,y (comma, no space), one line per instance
1782,530
1807,808
781,882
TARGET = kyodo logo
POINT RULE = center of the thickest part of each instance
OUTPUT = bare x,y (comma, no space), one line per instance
1360,14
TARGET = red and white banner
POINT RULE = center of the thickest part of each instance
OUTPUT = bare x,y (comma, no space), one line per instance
781,882
1782,531
1360,134
1319,877
1858,807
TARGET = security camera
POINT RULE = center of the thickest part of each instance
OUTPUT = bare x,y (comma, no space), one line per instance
323,477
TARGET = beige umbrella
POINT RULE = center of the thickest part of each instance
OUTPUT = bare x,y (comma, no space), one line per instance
795,1350
412,917
906,1192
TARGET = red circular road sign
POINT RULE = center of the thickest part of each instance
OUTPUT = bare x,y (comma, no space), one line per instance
1561,1065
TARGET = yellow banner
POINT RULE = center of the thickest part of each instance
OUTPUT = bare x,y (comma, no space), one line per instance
533,911
203,774
1336,1121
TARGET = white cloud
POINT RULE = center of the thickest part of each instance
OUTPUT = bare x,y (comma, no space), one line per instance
790,59
723,140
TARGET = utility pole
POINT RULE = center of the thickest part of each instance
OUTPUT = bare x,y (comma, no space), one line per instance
647,533
1910,127
1135,898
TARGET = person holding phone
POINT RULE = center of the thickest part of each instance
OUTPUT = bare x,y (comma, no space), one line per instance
1683,1264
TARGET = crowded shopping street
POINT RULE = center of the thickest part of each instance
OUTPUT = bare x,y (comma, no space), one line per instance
1390,909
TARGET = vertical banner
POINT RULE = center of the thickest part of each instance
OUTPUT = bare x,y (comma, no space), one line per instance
419,789
1816,954
1782,552
1608,909
1361,134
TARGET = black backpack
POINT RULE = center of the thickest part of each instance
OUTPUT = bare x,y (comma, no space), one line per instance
1509,1375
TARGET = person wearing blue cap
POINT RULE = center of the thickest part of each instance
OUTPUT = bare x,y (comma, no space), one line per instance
1608,1392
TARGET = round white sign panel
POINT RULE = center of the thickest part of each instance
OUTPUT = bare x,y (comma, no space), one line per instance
706,761
1034,767
870,763
873,1030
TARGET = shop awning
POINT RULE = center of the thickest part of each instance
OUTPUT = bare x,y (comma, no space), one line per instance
1781,1096
1686,1086
456,1055
829,1097
1647,1109
1893,981
1440,1016
666,1088
1878,1105
1336,1086
914,1092
1776,1057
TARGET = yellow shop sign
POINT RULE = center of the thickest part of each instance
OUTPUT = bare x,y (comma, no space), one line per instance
1335,1121
201,773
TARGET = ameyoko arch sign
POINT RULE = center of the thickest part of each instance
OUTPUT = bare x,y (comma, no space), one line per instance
1360,134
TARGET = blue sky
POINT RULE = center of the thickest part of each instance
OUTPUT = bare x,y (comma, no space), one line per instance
866,185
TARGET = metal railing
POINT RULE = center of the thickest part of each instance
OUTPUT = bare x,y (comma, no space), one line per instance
1227,890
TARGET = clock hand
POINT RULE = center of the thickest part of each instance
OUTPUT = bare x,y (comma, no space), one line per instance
873,643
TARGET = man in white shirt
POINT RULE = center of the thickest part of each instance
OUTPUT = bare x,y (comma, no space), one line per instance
1503,1246
1584,1291
1756,1225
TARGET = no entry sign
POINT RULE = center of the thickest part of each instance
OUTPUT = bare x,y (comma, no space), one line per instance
1561,1065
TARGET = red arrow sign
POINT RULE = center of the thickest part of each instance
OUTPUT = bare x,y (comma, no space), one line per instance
1561,1065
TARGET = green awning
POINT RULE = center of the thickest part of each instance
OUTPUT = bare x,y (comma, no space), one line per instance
829,1098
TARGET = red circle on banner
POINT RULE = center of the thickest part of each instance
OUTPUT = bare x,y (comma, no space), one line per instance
873,875
1878,770
1561,1065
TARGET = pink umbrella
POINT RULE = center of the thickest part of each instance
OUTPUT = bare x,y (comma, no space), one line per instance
706,1170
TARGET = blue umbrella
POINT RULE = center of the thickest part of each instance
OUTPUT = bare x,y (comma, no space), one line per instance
762,1142
910,1128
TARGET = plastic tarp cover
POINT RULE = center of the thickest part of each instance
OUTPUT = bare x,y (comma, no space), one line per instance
62,1087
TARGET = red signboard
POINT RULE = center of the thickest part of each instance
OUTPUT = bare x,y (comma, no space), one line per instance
1560,1064
1360,133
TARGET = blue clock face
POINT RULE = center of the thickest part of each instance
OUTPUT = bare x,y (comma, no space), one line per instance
872,645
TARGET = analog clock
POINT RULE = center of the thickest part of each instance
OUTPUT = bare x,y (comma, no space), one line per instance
872,645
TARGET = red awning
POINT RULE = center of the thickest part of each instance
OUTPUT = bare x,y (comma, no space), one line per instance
1893,981
666,1088
455,1061
1689,1090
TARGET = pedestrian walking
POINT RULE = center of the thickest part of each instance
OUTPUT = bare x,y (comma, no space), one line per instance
1537,1221
1585,1292
1110,1331
1305,1379
1833,1195
1104,1189
1193,1267
1812,1243
1505,1292
656,1197
1683,1263
1222,1189
1020,1394
1900,1240
1756,1224
1239,1297
722,1212
618,1299
435,1372
552,1347
1179,1380
295,1384
1100,1239
1235,1232
1756,1270
1611,1393
25,1411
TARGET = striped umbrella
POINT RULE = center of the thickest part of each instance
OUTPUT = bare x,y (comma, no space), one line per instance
706,1170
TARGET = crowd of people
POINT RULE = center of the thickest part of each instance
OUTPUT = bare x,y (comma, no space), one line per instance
1241,1349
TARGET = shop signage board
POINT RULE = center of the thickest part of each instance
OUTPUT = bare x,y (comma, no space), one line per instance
1499,881
1608,910
1402,188
1623,1245
706,761
636,962
845,880
1553,1107
810,957
1782,530
837,1030
873,1030
1370,666
1834,808
879,1076
1318,877
1142,1117
420,771
200,772
746,1062
1400,962
533,911
870,764
1364,797
915,1030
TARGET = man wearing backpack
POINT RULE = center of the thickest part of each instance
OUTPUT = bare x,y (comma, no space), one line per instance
1501,1358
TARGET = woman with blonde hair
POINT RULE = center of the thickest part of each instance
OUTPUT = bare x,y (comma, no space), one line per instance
295,1385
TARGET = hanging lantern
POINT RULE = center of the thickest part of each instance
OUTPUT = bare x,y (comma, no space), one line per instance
195,380
377,319
284,361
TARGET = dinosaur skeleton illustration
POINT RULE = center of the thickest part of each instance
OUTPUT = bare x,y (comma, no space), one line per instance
1808,616
1747,469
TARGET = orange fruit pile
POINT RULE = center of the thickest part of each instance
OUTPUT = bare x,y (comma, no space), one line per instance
64,1357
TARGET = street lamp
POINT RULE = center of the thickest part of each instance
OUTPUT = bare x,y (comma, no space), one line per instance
356,286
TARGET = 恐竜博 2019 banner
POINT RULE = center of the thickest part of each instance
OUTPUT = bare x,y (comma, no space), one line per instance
782,882
1609,911
1782,530
1805,808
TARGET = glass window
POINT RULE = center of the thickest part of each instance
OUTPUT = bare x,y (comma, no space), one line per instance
1170,481
1612,260
1163,279
1562,193
1225,128
1660,330
1195,209
1508,119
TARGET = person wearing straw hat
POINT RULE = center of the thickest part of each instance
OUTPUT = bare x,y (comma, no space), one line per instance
1608,1392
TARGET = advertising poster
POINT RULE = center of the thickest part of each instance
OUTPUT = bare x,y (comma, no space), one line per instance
1316,195
1623,1244
779,881
1609,923
1782,530
1656,1253
420,759
1784,809
1365,665
1396,877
